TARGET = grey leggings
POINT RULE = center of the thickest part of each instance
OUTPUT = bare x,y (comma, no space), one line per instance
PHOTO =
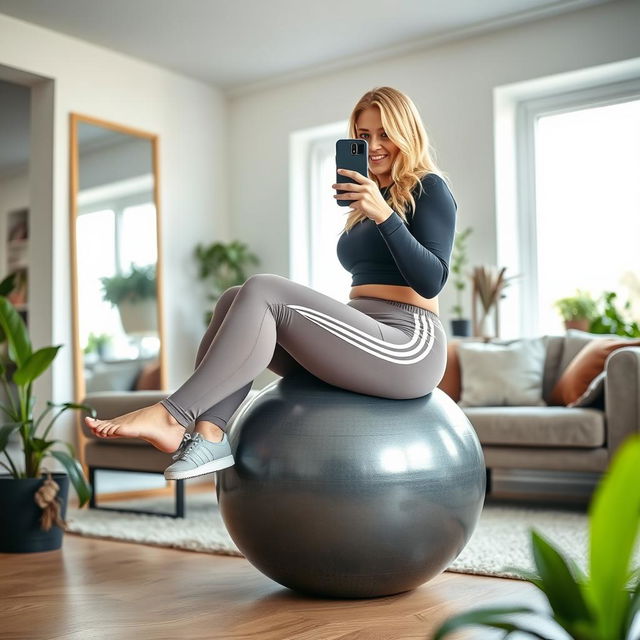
368,345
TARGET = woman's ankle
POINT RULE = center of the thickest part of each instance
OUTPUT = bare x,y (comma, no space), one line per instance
209,430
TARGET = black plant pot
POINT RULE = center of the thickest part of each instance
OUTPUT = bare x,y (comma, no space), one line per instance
461,327
20,530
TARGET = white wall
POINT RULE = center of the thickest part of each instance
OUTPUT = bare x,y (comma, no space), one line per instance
452,86
190,119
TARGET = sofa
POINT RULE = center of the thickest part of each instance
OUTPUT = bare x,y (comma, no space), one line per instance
557,437
549,437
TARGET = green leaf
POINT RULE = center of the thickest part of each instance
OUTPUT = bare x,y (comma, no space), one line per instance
489,617
76,476
558,583
8,284
72,451
5,432
39,445
614,520
16,331
530,576
37,363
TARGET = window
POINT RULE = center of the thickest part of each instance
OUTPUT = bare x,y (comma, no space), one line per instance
112,234
326,223
316,220
567,193
587,205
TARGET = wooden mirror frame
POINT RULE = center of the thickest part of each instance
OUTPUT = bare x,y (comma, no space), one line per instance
74,182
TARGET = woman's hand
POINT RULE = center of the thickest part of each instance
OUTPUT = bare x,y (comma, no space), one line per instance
365,196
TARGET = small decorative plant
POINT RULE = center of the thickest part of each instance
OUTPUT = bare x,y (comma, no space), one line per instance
603,605
27,365
97,343
611,320
490,283
458,260
139,284
581,306
224,266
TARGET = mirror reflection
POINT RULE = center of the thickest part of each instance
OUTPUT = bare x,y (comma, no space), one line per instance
116,239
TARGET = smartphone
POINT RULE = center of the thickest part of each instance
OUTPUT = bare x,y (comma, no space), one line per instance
351,154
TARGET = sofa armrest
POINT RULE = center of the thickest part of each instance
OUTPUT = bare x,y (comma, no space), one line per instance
622,396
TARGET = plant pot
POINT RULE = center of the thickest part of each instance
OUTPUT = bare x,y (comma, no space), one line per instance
139,317
577,323
461,327
20,530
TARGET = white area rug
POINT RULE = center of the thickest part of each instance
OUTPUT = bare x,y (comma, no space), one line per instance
500,539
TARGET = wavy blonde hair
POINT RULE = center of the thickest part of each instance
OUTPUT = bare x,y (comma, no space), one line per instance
415,159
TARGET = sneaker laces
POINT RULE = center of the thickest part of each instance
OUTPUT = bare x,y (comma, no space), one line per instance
186,446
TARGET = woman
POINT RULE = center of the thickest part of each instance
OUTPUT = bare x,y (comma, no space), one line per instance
387,340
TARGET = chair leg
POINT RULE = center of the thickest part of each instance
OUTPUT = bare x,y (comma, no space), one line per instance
179,495
179,499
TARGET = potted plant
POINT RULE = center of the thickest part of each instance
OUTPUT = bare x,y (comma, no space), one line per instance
224,265
97,343
135,296
489,284
577,311
32,507
460,326
602,605
612,320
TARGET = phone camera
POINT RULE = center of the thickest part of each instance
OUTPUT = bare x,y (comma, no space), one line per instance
354,149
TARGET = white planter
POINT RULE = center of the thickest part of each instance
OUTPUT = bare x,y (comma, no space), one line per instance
140,317
487,325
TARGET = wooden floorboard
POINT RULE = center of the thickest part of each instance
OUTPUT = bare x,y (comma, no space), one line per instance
108,589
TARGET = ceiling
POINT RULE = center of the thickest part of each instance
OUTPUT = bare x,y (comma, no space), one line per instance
246,45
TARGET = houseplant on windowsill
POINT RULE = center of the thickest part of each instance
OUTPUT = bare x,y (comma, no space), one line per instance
135,296
32,507
577,311
603,605
223,264
460,326
613,320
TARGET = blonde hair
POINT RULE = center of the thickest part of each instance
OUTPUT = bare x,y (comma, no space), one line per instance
415,159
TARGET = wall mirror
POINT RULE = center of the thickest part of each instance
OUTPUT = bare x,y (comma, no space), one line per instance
116,266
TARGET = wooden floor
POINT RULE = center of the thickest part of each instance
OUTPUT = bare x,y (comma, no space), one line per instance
110,590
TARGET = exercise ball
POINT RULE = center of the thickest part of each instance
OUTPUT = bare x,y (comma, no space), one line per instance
341,494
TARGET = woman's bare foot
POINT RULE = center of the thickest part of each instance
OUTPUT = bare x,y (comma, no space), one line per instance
153,424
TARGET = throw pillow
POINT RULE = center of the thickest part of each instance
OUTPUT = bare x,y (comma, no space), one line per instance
586,365
594,394
149,377
502,374
450,382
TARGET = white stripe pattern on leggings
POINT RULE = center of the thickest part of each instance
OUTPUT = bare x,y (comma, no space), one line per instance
410,352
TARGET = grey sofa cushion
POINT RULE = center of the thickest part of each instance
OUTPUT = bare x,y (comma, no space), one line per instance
538,426
494,374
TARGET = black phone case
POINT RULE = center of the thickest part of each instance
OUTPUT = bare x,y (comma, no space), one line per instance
346,159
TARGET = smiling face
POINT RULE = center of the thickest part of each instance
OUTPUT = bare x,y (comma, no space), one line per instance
369,128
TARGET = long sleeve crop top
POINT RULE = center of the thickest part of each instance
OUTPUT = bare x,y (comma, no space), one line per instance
414,254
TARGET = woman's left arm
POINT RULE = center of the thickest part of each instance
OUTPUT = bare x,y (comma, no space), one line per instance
422,254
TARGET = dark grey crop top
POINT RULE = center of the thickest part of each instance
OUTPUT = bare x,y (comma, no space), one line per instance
416,254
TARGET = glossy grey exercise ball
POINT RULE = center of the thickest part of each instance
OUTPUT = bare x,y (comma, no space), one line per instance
335,493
